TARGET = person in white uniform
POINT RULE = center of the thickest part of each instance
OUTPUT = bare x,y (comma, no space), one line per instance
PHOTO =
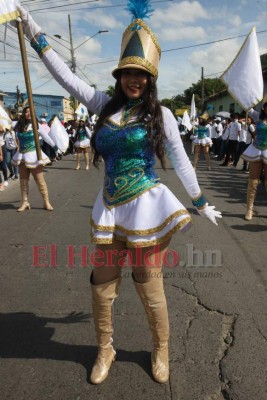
134,213
26,159
82,143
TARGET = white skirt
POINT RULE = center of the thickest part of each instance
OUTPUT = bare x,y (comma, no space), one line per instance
203,142
30,159
254,154
149,219
83,143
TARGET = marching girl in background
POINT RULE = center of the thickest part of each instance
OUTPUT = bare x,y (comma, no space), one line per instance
82,143
134,209
256,155
202,141
26,159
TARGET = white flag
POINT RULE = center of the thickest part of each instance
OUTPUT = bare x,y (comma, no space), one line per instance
186,121
4,118
59,135
193,108
82,112
244,76
8,11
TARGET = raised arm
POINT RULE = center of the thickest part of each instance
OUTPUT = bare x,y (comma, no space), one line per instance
93,99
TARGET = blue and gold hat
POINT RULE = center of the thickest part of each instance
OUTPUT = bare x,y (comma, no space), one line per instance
139,47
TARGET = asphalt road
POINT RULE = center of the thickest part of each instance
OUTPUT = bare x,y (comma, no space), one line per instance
216,296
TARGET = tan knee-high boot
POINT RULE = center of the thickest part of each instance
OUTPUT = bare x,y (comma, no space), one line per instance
154,301
78,161
251,194
24,188
102,299
207,158
44,192
86,157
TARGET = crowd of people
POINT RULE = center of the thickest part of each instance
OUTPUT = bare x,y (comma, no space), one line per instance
225,139
231,138
9,145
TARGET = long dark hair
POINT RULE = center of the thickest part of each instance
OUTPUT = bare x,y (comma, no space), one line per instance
150,114
23,122
263,114
81,124
203,121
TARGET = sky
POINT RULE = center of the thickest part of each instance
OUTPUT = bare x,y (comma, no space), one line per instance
191,35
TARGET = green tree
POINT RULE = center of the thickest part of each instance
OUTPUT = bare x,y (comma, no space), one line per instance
211,86
174,103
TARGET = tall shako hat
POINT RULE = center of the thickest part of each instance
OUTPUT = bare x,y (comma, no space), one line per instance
204,116
139,47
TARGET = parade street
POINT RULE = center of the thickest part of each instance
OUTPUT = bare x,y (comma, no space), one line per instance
215,282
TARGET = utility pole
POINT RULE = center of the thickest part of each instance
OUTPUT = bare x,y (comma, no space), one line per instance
73,49
202,89
73,58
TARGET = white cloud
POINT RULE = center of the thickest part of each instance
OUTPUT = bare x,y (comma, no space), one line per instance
176,24
175,75
186,32
184,13
103,20
236,21
216,57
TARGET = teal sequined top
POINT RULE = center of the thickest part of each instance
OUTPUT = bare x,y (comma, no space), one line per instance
81,135
26,141
261,136
129,162
201,132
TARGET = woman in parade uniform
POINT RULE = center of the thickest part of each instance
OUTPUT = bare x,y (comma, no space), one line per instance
134,210
202,142
82,143
26,159
256,154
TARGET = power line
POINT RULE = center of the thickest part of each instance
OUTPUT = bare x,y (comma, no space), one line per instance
27,2
65,5
43,84
204,44
101,62
89,8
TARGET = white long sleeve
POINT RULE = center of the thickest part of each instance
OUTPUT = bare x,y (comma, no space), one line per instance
177,155
93,99
88,132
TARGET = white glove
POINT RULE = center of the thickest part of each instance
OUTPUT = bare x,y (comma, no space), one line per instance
30,28
210,213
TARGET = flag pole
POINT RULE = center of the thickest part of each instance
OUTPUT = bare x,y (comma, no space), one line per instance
29,88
